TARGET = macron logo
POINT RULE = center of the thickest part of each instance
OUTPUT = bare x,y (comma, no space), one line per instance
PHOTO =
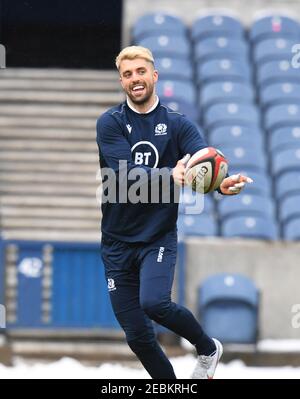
129,128
160,254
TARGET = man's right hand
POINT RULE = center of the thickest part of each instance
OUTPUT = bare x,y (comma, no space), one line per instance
179,170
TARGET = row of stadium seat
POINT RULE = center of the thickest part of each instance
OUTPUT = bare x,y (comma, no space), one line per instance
285,93
245,226
201,215
217,24
176,44
279,102
257,227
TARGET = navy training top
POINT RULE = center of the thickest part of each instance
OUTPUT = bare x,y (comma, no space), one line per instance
148,145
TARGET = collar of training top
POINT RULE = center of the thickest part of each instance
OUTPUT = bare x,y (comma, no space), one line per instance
149,110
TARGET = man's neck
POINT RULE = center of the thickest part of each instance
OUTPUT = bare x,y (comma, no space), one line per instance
143,108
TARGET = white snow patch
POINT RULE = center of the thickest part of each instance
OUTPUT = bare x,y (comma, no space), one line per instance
68,368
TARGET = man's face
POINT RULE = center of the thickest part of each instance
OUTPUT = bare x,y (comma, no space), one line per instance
138,78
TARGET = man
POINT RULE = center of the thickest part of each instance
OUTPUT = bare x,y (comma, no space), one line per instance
142,137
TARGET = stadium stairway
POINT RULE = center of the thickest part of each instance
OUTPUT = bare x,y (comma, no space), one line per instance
49,172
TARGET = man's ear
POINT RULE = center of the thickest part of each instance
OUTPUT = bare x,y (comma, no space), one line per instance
155,75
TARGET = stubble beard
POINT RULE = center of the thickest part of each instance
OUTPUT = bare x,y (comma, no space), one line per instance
144,99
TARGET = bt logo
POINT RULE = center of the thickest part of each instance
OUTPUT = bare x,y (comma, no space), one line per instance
145,153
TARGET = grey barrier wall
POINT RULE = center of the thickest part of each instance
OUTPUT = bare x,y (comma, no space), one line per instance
274,268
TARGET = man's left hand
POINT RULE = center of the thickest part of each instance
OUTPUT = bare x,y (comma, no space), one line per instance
233,184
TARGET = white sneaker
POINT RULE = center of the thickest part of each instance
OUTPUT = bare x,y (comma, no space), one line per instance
206,365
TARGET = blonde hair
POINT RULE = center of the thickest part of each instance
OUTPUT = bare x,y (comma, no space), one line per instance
133,52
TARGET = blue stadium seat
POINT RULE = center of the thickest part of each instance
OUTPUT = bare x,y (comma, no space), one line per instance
253,143
173,68
196,225
184,107
223,69
247,158
277,72
274,26
286,184
280,93
231,114
282,116
291,230
284,138
228,307
216,25
157,23
235,133
272,50
261,181
246,204
192,203
176,89
167,46
224,92
286,161
255,227
234,136
221,47
289,207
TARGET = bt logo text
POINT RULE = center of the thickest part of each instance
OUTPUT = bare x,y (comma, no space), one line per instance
2,57
2,316
296,317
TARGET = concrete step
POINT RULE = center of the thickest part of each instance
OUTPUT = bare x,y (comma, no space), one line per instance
51,201
60,85
49,167
54,223
41,212
48,145
43,156
38,122
67,179
29,234
54,350
103,348
51,110
44,133
53,73
46,189
31,96
60,166
61,334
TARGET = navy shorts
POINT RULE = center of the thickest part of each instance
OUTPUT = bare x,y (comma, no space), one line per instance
139,275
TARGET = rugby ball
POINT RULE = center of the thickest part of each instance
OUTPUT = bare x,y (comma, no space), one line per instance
206,170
